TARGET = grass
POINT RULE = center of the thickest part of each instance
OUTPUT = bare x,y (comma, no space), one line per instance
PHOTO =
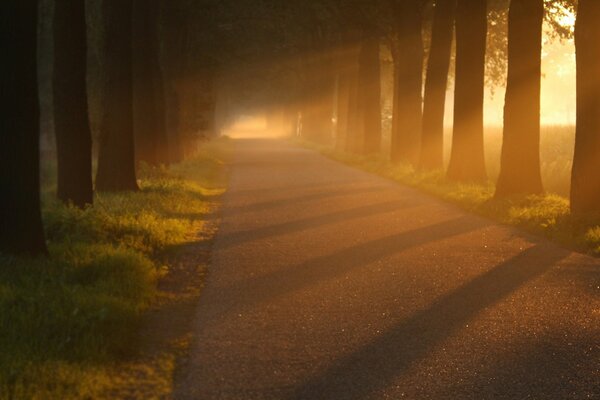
66,319
546,215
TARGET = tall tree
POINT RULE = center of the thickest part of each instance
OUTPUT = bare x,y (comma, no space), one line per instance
520,171
344,60
116,159
585,185
432,139
151,142
21,230
408,82
71,117
370,94
467,161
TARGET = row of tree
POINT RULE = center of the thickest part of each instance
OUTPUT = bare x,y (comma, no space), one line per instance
421,78
163,61
145,59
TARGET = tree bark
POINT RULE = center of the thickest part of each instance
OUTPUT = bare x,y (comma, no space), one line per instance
408,84
71,114
585,185
116,158
344,63
21,230
370,95
467,161
520,162
151,143
432,139
354,115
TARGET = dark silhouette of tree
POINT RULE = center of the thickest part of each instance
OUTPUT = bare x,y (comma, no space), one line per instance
585,185
520,162
432,140
21,230
71,116
116,159
408,82
370,94
467,162
345,61
151,142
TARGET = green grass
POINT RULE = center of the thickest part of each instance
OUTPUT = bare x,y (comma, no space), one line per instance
64,320
546,215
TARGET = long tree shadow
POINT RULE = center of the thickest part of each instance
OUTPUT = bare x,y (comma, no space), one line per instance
262,289
559,364
331,193
240,237
375,365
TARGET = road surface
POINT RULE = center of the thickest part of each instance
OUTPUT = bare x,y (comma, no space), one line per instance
331,283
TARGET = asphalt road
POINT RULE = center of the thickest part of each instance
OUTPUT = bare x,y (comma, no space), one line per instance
331,283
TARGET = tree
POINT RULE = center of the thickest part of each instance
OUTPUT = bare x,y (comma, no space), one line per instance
432,139
467,162
370,95
408,83
585,185
71,119
151,142
520,162
21,230
116,160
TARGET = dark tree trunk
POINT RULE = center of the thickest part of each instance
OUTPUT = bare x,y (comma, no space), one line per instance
344,61
467,161
432,140
585,185
21,230
370,95
71,116
354,116
174,33
520,163
318,108
151,144
116,158
408,84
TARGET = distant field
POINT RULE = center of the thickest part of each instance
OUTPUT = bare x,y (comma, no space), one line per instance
556,153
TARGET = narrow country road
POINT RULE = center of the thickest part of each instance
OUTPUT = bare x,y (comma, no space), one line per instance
331,283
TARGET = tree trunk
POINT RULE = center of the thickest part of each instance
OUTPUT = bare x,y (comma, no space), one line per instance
21,230
116,158
467,161
354,115
345,61
432,140
408,84
585,185
174,33
370,95
318,104
520,163
151,144
71,116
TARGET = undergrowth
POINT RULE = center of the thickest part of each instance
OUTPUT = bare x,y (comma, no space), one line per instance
547,215
64,318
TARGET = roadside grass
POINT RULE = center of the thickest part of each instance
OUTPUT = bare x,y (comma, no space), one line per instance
547,215
65,320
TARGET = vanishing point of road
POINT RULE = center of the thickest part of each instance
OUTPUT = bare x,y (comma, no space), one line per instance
330,283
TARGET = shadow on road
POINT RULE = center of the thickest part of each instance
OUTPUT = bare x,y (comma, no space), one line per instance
262,289
241,237
376,364
328,194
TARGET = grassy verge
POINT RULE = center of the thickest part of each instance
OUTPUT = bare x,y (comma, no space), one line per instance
66,319
546,215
